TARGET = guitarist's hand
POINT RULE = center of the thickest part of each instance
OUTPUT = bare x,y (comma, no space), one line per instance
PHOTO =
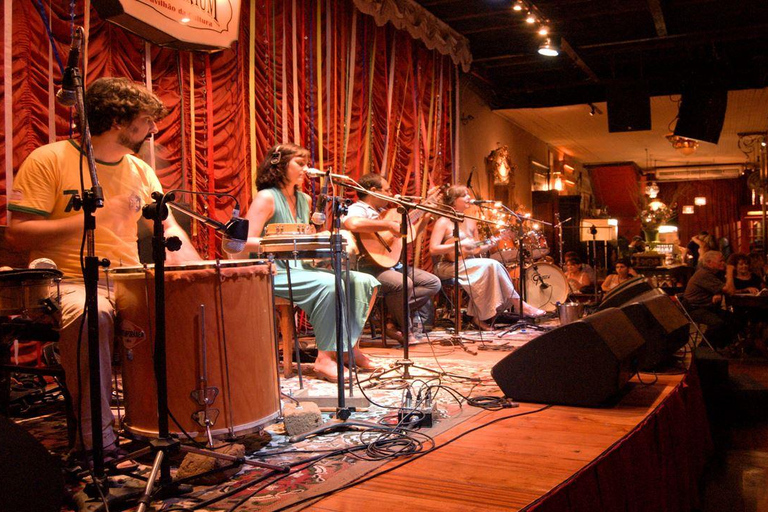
469,247
393,227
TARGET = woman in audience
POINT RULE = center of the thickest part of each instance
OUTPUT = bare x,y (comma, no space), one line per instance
624,272
579,280
739,278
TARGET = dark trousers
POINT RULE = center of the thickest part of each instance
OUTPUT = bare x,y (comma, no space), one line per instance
722,326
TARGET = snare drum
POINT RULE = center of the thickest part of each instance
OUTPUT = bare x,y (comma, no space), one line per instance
545,285
28,292
234,353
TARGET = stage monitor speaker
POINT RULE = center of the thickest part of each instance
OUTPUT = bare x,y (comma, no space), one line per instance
701,114
629,107
635,289
662,325
30,477
585,363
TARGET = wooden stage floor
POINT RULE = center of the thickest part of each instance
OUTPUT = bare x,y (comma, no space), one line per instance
509,459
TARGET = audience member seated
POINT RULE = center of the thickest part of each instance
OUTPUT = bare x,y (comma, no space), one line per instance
704,296
579,281
758,265
742,279
624,272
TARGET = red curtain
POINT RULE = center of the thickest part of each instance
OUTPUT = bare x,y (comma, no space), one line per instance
412,132
720,216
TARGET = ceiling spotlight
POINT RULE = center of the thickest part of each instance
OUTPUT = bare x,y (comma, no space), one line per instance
518,6
543,30
530,19
548,49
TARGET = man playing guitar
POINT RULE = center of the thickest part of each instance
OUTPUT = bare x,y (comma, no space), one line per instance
379,238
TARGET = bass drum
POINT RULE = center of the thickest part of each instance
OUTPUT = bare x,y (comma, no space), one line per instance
545,285
220,346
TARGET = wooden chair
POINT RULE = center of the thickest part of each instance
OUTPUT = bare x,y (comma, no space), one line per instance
287,328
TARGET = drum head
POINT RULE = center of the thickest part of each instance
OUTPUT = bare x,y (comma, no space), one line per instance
545,286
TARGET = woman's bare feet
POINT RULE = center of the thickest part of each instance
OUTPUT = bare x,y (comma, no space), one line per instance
325,366
532,312
362,361
483,326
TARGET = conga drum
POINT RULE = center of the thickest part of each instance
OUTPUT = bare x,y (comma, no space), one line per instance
220,347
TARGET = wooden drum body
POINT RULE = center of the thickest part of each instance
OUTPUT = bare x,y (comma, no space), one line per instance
234,304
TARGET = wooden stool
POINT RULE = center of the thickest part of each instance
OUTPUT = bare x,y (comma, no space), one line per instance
283,307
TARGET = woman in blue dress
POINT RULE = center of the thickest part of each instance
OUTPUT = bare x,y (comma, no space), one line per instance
280,200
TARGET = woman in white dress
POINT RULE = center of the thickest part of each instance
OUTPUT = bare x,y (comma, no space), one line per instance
486,281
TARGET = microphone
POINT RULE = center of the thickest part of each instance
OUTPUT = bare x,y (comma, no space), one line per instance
318,216
315,173
481,201
234,233
67,95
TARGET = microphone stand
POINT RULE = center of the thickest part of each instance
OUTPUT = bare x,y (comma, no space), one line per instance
92,199
164,444
341,420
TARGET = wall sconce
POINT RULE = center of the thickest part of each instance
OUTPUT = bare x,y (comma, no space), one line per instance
700,201
558,184
688,209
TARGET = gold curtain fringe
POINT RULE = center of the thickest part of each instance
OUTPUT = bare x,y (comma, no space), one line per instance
421,25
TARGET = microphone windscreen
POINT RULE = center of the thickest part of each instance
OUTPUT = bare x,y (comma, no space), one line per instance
66,97
232,245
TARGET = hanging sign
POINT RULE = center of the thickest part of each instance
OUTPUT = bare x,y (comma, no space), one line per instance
205,25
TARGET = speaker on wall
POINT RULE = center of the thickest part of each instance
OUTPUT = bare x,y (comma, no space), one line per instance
664,328
629,107
584,363
702,112
635,289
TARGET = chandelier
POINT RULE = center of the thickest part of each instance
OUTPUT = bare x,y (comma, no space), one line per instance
684,145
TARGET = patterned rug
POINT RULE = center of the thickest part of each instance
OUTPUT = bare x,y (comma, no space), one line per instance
439,365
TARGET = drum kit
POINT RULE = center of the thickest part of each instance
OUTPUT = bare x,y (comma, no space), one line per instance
545,283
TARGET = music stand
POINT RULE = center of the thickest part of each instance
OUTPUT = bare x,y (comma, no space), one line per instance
598,230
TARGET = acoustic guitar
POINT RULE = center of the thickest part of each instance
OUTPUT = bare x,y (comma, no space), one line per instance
384,247
472,251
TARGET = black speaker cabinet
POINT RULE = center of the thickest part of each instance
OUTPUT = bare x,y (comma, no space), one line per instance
633,290
584,363
30,477
629,107
664,328
702,112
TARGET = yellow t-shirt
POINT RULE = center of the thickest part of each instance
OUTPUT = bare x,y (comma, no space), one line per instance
47,182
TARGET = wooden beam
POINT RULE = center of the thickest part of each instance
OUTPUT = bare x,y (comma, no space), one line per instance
658,17
568,49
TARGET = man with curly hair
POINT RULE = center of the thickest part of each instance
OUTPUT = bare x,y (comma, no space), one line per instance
121,115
